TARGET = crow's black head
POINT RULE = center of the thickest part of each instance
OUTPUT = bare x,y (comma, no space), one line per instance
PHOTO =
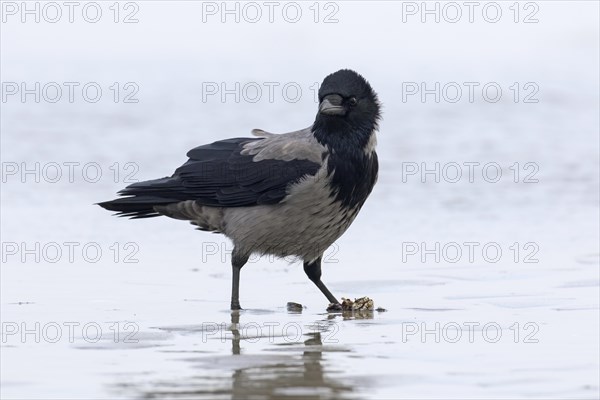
348,109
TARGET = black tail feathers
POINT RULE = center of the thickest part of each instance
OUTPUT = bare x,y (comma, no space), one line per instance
136,206
140,198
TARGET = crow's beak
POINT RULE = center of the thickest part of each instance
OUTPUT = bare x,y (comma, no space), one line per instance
332,105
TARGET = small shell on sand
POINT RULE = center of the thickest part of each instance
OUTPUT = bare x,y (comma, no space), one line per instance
359,304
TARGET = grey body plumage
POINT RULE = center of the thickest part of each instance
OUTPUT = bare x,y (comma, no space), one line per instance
291,194
304,224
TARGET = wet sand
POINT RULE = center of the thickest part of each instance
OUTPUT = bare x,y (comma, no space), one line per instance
500,339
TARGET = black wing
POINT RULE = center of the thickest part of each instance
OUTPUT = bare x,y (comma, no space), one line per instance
215,175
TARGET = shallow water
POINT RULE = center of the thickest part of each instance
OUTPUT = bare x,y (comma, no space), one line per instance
109,308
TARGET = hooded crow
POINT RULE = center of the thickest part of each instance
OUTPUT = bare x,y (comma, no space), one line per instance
291,194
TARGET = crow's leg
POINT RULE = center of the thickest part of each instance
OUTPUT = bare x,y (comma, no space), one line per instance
313,271
237,262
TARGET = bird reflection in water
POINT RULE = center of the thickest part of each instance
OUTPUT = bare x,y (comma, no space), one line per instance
307,379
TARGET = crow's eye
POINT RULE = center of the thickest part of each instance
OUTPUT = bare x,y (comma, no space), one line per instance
353,101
